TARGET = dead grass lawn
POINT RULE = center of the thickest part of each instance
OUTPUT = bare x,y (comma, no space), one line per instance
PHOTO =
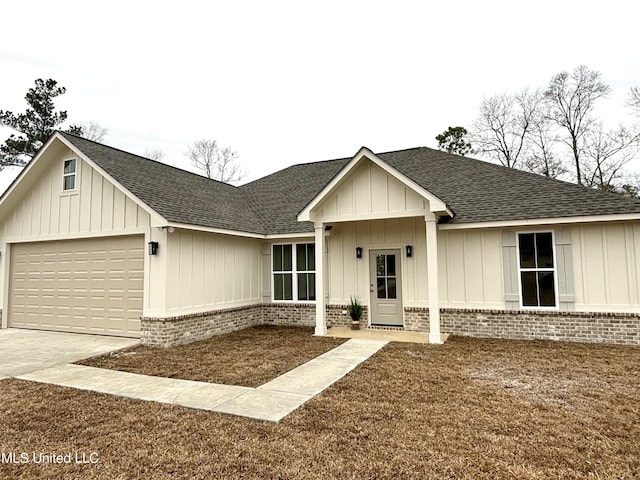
467,409
248,357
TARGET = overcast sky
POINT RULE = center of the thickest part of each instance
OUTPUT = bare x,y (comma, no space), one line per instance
286,82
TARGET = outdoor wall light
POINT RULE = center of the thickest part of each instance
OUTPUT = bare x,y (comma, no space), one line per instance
358,252
409,251
153,248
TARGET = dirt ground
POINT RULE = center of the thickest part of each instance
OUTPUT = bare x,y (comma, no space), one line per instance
470,408
248,357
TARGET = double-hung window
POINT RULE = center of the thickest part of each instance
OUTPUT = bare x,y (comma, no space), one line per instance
294,277
537,273
69,175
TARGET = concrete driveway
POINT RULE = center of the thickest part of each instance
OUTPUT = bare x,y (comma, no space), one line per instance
25,351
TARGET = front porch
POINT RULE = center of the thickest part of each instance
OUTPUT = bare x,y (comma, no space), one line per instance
376,238
395,335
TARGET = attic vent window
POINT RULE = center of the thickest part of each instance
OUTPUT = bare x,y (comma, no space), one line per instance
69,175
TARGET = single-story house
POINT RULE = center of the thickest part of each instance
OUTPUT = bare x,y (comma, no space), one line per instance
97,240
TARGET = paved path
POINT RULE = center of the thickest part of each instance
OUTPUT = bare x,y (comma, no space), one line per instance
23,351
272,401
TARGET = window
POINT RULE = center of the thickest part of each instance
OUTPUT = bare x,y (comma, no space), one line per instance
69,175
386,276
294,277
537,270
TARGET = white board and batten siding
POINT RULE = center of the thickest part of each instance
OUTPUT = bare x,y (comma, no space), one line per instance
208,271
470,267
606,267
369,192
95,207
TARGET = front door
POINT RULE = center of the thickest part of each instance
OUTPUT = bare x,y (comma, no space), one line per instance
386,288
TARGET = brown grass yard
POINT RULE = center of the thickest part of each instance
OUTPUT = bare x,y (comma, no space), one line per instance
468,409
248,357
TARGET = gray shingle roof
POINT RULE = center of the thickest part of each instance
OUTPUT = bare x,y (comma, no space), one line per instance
177,195
474,190
278,198
478,191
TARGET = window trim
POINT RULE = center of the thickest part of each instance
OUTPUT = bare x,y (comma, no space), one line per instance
294,273
554,270
74,174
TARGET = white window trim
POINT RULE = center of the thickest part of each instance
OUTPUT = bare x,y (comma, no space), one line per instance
554,270
74,174
294,273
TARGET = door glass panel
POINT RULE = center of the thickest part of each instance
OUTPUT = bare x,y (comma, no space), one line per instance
380,265
382,291
391,288
391,265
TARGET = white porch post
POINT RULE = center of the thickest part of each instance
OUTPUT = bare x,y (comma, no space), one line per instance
432,276
321,325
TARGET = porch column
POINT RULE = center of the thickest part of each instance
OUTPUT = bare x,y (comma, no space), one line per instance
432,277
321,325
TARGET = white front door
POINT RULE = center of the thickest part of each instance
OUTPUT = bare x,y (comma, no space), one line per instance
386,288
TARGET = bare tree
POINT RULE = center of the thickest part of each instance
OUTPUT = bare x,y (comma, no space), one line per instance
542,157
215,162
572,98
92,131
606,153
634,99
154,154
502,130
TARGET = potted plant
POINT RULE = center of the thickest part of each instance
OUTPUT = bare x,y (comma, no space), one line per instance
355,312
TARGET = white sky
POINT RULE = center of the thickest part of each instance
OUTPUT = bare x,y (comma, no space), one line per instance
286,82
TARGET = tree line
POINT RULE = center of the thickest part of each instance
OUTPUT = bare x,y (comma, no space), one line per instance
554,131
33,127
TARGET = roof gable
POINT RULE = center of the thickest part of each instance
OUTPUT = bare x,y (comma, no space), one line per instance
36,203
390,176
177,195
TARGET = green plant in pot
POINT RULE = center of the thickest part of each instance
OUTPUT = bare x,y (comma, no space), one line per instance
355,312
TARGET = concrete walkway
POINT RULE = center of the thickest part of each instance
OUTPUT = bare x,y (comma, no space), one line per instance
375,334
23,351
272,401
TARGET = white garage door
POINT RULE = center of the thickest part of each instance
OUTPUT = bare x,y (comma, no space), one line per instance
86,286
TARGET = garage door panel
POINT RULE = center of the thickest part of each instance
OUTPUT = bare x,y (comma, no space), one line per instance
88,285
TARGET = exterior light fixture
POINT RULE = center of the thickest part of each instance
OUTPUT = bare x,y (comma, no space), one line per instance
153,248
358,252
409,251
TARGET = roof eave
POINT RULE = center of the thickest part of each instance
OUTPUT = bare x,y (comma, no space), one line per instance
617,217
